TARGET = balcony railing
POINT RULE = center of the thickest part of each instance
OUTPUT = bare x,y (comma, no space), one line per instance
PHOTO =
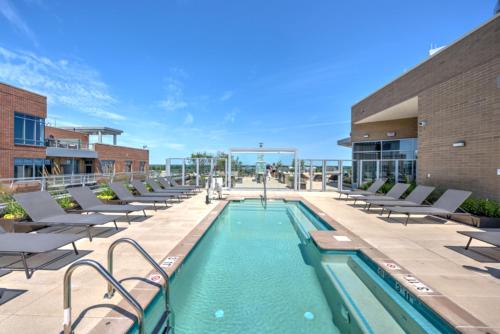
68,144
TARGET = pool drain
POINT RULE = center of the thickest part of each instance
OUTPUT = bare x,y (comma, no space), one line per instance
309,315
219,313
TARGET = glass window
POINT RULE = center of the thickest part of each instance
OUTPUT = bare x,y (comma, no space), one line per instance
28,130
107,166
142,166
26,167
128,166
366,146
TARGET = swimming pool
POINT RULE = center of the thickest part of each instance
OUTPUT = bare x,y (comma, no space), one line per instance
256,270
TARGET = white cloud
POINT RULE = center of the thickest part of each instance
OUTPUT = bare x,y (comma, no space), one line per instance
227,95
231,116
175,96
8,11
175,146
65,83
189,119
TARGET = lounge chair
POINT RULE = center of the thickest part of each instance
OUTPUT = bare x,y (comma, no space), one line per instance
25,244
143,191
415,198
165,183
174,184
492,238
446,205
372,190
90,203
125,196
157,188
396,192
44,210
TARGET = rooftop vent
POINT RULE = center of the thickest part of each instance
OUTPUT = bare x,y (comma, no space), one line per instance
434,49
496,10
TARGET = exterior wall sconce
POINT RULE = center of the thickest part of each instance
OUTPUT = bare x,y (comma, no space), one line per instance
422,123
460,143
391,134
366,135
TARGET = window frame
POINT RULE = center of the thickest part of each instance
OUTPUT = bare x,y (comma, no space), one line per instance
38,135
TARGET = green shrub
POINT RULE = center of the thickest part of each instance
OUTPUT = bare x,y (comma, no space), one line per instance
481,207
66,202
14,211
412,187
386,187
366,185
106,194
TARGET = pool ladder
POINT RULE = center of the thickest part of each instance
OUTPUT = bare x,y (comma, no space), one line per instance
113,285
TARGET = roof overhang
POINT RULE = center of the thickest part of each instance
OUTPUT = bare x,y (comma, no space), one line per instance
60,152
405,109
346,142
94,130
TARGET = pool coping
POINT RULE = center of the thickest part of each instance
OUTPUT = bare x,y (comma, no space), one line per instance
341,239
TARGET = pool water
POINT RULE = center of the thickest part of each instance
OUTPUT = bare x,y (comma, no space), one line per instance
248,275
256,270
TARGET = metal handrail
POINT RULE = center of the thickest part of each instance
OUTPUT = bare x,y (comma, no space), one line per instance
147,257
110,279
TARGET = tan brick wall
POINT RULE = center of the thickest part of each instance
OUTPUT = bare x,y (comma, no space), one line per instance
13,100
65,134
466,107
404,128
120,154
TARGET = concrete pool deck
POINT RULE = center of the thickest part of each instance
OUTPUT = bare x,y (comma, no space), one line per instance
431,251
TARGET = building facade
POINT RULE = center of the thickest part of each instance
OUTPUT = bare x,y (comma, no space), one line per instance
441,119
29,148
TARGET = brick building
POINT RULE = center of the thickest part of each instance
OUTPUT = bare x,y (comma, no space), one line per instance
30,148
438,122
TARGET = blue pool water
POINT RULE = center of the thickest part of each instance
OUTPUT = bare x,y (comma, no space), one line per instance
256,270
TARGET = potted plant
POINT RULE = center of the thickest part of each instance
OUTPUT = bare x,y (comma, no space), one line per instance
107,196
484,213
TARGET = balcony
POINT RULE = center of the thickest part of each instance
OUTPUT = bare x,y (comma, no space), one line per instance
69,148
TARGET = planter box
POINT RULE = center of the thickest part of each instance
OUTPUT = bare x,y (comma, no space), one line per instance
482,222
110,201
18,225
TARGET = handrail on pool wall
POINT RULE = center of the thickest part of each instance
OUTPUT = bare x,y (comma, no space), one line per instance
111,281
148,258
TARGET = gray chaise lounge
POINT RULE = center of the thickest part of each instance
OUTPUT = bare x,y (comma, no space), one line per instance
372,190
125,196
157,188
492,238
167,184
143,191
446,205
44,210
415,198
393,194
90,203
25,244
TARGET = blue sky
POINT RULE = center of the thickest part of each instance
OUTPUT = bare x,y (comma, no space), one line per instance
183,76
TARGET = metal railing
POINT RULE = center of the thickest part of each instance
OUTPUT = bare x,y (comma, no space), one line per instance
263,198
146,256
69,144
110,279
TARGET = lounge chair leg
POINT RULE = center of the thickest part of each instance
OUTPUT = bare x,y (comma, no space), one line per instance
116,226
89,234
74,248
369,206
154,205
144,212
382,212
389,215
468,243
27,272
407,218
128,218
355,200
